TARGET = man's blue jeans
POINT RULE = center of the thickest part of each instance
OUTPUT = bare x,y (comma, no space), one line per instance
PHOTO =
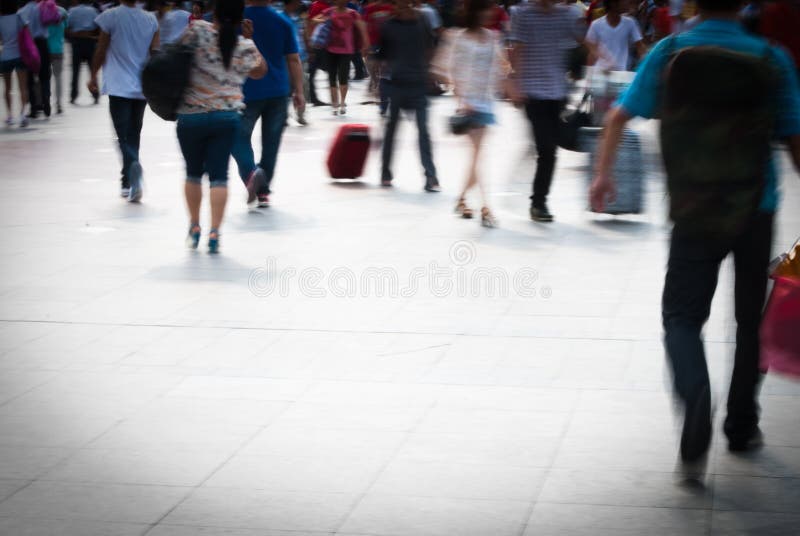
407,98
273,114
128,117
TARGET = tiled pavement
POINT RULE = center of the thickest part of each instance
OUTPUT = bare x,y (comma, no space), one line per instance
145,389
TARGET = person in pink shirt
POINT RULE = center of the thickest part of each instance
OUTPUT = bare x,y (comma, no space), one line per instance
347,28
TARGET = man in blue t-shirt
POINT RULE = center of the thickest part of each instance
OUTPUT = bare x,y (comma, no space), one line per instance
694,258
268,98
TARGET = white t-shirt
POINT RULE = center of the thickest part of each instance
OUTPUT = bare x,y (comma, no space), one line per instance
31,16
614,43
131,32
172,25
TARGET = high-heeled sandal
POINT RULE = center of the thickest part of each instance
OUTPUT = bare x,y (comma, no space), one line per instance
213,241
463,210
193,239
487,218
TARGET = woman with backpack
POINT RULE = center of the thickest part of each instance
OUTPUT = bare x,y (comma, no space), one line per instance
11,59
477,63
208,118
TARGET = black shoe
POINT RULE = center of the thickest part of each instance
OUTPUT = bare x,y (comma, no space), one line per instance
432,185
541,214
33,115
317,102
752,443
47,110
59,110
696,436
72,100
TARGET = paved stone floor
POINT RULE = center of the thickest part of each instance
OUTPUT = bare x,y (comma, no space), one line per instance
344,367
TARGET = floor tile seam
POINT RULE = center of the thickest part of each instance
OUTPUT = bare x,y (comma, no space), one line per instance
548,473
213,472
333,331
28,391
72,451
407,435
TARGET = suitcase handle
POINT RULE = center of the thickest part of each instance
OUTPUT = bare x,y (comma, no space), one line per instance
358,136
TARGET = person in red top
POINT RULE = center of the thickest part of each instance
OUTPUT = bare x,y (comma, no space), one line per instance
346,28
376,14
662,21
780,22
499,21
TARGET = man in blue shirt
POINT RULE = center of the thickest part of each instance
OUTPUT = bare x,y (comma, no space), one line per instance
694,259
268,98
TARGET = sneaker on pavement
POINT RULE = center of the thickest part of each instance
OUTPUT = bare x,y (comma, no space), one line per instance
263,200
749,444
135,179
432,185
125,192
696,434
257,181
541,214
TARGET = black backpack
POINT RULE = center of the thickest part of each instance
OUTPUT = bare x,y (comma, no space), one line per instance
717,126
165,79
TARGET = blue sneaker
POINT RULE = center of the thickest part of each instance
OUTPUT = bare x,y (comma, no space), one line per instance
193,239
213,242
135,179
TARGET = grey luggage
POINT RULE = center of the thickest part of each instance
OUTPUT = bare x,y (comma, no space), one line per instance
629,169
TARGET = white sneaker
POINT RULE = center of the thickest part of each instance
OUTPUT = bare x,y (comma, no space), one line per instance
135,179
10,122
335,109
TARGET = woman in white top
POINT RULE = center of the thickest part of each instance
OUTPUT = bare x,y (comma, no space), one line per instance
477,63
10,59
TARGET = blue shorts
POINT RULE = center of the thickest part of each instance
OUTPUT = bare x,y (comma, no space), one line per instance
206,141
482,119
9,66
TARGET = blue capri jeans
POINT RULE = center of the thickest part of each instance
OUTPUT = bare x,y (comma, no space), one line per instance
206,141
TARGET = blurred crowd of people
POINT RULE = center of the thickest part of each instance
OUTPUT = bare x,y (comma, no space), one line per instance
252,61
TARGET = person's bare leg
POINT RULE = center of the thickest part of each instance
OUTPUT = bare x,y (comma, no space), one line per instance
334,97
472,172
219,197
343,92
22,79
7,83
194,197
477,135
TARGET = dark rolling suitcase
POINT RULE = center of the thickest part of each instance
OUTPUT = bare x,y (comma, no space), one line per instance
349,152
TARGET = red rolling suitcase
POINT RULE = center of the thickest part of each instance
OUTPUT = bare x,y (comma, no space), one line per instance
349,152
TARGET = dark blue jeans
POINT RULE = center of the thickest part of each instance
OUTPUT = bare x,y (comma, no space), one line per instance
689,287
127,116
206,142
273,114
407,98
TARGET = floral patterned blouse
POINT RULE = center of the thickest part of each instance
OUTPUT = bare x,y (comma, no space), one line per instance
213,88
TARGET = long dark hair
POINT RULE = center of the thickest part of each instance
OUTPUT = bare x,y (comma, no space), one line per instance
472,15
8,7
229,16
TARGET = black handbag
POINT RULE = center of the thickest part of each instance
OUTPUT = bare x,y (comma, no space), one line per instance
461,123
165,79
570,123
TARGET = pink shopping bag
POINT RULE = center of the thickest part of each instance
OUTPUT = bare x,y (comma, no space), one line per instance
28,51
780,327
